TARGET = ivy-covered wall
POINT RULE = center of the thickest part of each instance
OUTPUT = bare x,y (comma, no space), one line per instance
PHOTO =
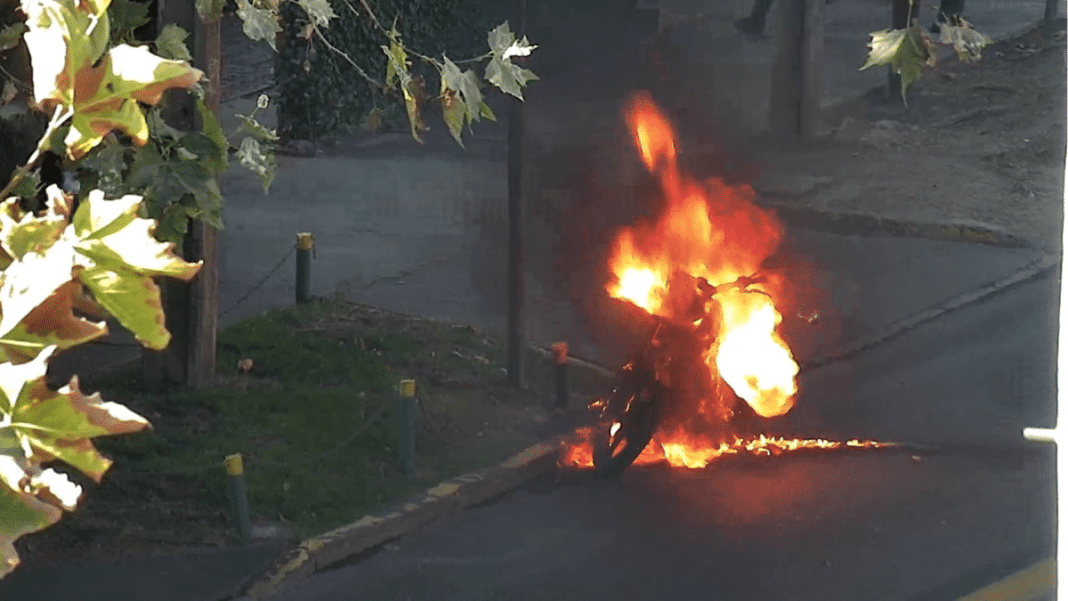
321,94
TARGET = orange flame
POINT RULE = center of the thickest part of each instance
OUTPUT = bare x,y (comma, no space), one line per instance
715,231
681,449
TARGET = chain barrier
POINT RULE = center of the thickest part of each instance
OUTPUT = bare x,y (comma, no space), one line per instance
318,457
251,459
262,281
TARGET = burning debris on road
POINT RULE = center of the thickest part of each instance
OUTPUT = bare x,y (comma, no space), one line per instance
694,453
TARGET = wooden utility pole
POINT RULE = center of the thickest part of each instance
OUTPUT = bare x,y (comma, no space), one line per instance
516,324
191,309
797,71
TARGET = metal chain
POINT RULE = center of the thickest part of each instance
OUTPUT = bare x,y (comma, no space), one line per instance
262,281
251,459
181,471
315,458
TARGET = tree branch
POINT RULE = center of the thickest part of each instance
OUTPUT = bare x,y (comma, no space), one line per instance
359,69
371,14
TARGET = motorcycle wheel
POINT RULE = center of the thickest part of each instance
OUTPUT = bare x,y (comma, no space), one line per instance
614,450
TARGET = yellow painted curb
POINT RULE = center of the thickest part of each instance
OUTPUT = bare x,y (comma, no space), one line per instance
1026,585
457,493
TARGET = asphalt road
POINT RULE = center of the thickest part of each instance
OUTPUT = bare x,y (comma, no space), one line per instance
839,525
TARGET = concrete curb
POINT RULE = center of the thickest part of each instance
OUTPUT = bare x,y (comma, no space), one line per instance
329,549
863,224
1035,269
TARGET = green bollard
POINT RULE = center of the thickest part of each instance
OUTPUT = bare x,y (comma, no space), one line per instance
238,493
305,248
406,426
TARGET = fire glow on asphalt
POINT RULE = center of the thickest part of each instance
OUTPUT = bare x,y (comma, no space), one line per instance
711,230
694,454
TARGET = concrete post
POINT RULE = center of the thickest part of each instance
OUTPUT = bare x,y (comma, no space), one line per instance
797,71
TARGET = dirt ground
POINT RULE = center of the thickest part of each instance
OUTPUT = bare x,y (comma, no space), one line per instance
469,417
982,142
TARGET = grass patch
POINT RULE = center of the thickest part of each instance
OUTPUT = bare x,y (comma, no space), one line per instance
315,420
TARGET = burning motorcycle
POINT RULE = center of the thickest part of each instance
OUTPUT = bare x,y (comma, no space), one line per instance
662,372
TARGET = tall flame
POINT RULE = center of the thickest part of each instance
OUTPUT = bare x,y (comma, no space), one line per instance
715,231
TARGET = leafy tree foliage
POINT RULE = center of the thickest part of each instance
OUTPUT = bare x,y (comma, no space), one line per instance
908,51
131,183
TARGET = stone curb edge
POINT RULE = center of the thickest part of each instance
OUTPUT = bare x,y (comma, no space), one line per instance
863,224
1036,268
329,549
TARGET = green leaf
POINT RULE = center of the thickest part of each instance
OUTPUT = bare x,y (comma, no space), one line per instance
20,514
145,167
455,114
166,182
414,92
170,43
501,71
87,129
251,126
255,160
486,112
116,238
211,129
108,95
461,98
508,76
60,48
107,162
56,142
11,35
501,38
905,50
966,41
126,15
397,66
465,84
210,9
31,280
397,63
259,24
133,299
204,149
52,323
173,224
503,44
60,423
28,185
158,128
318,11
24,233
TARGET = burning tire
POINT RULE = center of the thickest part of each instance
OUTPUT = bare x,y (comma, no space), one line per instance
628,424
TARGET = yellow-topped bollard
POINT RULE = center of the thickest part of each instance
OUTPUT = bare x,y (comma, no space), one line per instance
305,249
235,465
563,390
238,493
406,426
